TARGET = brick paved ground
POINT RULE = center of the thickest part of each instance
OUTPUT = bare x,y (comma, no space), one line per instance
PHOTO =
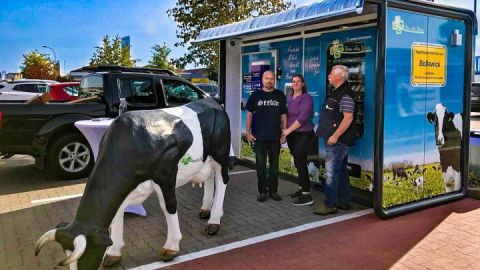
444,237
22,222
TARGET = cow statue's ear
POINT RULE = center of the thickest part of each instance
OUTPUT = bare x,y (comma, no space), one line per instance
450,116
430,117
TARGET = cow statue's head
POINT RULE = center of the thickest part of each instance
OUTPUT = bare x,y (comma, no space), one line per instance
441,118
84,247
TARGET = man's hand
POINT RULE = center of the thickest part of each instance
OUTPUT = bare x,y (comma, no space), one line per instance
250,137
332,140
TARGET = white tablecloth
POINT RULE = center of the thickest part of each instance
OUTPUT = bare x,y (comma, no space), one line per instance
93,131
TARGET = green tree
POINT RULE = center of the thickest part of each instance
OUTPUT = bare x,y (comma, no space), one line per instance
111,53
38,66
193,16
160,57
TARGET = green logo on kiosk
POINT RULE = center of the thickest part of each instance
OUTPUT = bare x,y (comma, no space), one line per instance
336,49
399,26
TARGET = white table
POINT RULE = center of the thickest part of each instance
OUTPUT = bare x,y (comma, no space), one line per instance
93,131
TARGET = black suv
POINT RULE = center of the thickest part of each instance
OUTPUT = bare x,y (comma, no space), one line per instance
46,131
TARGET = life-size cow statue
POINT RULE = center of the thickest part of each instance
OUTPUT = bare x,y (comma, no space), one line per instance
448,138
144,152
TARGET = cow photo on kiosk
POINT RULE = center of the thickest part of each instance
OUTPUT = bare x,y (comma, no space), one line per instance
448,137
145,152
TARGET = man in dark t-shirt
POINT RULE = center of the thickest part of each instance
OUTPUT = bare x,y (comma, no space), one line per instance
270,107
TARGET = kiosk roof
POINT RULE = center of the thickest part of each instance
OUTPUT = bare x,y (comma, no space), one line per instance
288,18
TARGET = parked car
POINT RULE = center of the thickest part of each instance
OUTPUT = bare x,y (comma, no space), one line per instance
47,131
15,96
211,89
23,90
61,92
475,97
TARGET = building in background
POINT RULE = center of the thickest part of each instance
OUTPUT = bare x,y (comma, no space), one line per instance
196,75
13,76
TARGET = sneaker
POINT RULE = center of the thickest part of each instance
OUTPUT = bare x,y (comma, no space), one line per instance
343,206
262,197
304,199
325,210
296,194
275,196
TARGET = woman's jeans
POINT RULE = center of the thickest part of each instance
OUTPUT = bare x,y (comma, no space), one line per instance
337,184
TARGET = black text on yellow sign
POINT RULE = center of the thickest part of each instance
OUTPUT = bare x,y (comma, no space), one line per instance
429,64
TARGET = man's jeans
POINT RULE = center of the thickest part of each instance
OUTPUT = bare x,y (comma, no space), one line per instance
262,149
337,184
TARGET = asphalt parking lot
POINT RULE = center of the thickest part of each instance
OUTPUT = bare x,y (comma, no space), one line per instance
32,203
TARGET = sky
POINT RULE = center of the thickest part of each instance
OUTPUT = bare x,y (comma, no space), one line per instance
73,28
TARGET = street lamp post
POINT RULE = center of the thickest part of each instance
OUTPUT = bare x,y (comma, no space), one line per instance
54,55
56,65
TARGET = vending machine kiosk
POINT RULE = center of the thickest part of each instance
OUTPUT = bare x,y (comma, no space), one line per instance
410,66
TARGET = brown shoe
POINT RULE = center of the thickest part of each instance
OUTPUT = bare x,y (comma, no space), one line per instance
325,210
344,206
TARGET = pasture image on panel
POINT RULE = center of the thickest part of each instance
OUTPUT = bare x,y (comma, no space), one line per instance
423,117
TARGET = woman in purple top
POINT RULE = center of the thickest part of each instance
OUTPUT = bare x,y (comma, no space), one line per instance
300,136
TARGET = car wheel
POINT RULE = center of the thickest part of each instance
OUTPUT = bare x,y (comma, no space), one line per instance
70,157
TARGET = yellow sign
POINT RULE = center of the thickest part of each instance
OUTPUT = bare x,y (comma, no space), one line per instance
429,64
199,80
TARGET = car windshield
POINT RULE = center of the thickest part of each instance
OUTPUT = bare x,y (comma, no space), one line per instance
209,89
43,88
91,85
71,90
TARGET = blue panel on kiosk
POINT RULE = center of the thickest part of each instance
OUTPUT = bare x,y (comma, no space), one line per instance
314,79
253,66
356,50
423,86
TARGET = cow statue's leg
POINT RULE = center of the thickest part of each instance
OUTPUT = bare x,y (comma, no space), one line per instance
217,208
113,255
208,192
171,248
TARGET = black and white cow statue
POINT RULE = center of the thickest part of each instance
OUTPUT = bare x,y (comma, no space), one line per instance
146,152
448,138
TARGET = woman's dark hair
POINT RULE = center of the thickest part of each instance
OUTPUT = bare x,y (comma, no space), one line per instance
300,76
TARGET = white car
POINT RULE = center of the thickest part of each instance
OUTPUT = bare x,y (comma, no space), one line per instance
23,90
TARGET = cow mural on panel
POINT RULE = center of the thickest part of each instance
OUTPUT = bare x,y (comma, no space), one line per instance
448,137
146,152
